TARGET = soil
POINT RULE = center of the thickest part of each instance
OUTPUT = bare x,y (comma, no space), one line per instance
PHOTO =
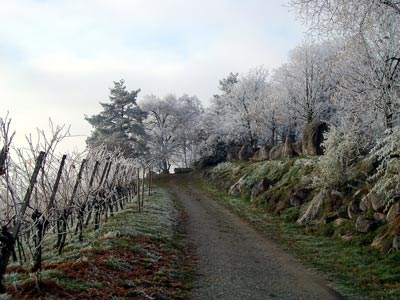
154,271
234,261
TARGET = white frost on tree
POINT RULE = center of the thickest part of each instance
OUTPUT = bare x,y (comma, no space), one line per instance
170,126
240,107
305,84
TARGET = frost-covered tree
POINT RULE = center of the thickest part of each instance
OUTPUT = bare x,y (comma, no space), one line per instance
170,126
369,66
305,83
368,92
120,123
345,16
240,106
188,134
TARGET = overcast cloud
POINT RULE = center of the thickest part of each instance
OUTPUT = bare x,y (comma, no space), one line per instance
59,57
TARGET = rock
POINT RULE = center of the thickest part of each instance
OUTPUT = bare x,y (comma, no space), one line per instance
306,180
110,235
298,197
246,152
285,150
340,221
348,236
281,205
232,153
358,195
342,212
336,194
378,203
396,243
329,218
365,203
288,149
276,152
382,242
381,218
353,209
260,187
237,188
182,170
82,259
365,225
267,199
297,148
314,208
313,136
262,153
336,197
393,212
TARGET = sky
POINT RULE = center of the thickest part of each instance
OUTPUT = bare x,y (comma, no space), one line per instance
58,58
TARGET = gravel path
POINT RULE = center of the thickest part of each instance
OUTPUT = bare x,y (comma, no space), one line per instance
237,262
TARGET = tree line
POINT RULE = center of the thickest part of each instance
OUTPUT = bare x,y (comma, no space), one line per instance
346,72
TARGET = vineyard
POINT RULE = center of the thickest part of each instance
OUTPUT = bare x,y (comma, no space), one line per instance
47,197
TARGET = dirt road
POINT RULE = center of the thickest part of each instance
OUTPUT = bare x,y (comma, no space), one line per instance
237,262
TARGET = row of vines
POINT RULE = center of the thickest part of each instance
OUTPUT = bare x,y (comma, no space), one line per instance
44,194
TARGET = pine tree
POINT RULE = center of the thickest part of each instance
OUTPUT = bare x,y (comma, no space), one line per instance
120,124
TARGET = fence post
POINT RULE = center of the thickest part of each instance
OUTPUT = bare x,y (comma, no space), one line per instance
138,188
79,226
78,181
57,183
99,205
67,211
20,216
10,238
143,179
149,180
103,174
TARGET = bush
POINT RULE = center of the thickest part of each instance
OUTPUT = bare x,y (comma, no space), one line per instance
387,176
342,149
223,167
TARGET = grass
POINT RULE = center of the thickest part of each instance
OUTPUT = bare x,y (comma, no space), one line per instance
133,255
356,270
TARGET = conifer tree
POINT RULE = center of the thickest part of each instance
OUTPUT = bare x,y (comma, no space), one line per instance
120,123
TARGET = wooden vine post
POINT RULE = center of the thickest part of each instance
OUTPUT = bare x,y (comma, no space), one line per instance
149,182
138,188
68,210
100,195
8,239
81,213
56,183
41,222
94,203
143,180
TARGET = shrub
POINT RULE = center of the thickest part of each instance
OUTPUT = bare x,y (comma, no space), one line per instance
223,167
387,176
342,149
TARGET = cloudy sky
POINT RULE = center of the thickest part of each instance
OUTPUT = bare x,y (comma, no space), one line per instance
58,58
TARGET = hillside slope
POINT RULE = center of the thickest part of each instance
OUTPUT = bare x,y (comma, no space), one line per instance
330,229
132,256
